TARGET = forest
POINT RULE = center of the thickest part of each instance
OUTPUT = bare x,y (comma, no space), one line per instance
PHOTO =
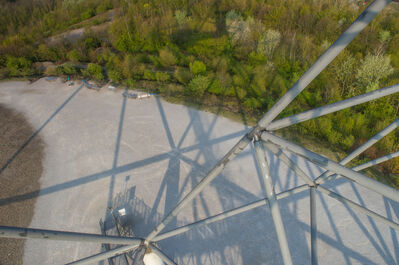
235,56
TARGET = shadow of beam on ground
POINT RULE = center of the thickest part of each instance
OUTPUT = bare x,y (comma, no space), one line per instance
106,173
40,129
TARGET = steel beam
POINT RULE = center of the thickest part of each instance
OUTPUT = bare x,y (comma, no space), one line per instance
346,37
358,208
273,204
204,182
104,255
371,163
227,214
162,255
330,108
23,233
313,226
326,175
294,166
376,161
333,166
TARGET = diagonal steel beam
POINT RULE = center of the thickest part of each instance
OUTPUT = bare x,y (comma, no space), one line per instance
227,214
358,208
104,255
359,167
162,255
23,233
334,107
349,34
333,166
203,183
273,204
326,175
294,166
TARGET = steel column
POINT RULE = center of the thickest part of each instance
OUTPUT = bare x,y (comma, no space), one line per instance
346,37
333,166
313,226
273,204
323,177
227,214
330,108
203,183
358,208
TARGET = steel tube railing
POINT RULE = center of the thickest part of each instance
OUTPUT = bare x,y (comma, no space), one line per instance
358,208
227,214
323,177
333,166
330,108
346,37
205,181
23,233
273,204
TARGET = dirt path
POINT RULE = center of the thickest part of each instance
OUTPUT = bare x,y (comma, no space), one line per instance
19,177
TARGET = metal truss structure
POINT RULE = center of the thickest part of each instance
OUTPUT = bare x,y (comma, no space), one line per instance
262,137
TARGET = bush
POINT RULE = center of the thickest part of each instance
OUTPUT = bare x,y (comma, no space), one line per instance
66,69
198,86
115,76
162,77
19,66
197,67
180,17
373,68
94,71
166,58
183,75
149,75
268,42
74,56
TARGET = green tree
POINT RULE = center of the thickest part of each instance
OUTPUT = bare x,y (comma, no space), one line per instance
197,67
373,68
198,86
94,71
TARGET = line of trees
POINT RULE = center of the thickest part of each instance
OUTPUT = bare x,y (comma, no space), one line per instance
238,55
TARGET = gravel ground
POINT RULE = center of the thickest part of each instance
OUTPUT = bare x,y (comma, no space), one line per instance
17,176
104,150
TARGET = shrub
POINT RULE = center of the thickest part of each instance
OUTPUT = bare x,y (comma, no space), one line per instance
373,68
166,58
162,77
180,17
183,75
66,69
74,56
197,67
94,71
198,86
115,76
268,42
19,66
149,75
